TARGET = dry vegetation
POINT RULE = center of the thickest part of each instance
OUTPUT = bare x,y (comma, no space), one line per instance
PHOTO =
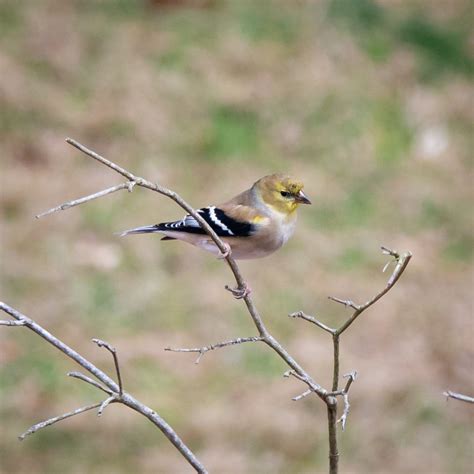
369,102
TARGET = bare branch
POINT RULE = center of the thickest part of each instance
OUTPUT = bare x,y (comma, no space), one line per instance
10,322
124,398
350,379
211,347
347,303
113,351
345,413
302,378
295,374
402,262
106,403
458,396
303,395
311,319
85,378
392,253
76,202
51,421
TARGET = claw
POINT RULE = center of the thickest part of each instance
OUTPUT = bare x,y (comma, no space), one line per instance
227,252
239,293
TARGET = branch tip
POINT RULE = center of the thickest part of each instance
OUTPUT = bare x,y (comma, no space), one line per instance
346,303
311,319
56,419
113,351
105,404
458,396
392,253
303,395
211,347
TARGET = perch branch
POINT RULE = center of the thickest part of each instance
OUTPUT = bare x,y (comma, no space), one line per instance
123,398
211,347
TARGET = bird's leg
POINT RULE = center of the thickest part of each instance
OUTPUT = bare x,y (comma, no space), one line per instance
240,292
227,252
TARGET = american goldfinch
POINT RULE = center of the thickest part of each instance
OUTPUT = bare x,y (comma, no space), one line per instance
253,224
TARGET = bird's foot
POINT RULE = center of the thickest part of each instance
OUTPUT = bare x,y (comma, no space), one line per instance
227,252
239,292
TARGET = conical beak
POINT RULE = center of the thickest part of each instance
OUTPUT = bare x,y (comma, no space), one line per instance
302,198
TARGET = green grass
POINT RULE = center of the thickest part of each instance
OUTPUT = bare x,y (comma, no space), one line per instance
440,48
233,133
393,135
380,32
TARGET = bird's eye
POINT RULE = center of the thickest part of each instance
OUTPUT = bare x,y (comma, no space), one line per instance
285,193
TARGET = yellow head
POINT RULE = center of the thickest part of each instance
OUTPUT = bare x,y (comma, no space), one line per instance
281,192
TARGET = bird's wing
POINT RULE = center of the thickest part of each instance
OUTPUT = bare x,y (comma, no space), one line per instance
221,222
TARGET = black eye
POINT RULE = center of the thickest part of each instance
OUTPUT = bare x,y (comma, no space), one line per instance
284,194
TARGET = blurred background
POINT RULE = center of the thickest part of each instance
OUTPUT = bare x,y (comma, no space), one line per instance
369,102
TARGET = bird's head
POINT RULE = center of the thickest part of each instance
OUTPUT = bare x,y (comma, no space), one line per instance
281,192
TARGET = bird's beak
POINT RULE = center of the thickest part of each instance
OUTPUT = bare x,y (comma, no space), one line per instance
302,198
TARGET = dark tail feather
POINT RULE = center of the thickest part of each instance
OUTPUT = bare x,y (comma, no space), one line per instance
147,229
167,238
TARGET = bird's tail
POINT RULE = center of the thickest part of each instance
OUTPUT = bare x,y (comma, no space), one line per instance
147,229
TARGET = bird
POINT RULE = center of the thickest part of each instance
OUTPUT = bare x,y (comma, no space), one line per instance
253,224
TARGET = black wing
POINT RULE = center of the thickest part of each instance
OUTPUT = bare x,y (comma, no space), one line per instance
218,220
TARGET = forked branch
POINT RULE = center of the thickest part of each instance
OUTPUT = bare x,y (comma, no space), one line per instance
109,386
211,347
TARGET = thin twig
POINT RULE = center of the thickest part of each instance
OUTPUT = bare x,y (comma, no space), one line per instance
351,376
211,347
76,202
335,367
85,378
51,421
345,395
392,253
113,351
458,396
345,413
311,319
295,374
402,262
106,403
347,303
10,322
303,395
